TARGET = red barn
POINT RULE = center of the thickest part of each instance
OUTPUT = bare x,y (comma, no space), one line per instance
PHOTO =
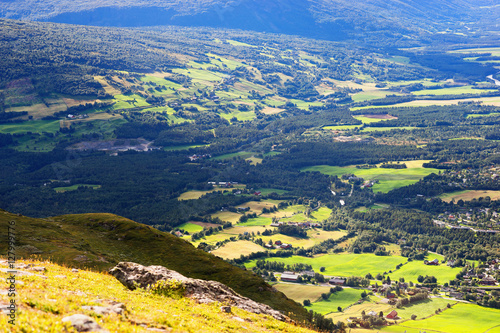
392,315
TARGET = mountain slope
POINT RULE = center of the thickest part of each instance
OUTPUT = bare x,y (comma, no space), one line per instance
100,241
47,298
331,19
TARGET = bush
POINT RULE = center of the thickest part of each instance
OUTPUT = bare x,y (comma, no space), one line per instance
307,302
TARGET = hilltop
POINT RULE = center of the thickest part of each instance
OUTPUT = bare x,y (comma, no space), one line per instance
329,19
100,241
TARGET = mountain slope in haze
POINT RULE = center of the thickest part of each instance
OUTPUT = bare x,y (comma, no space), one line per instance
331,19
100,241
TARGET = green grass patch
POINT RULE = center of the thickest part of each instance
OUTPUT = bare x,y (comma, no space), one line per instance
476,115
75,187
451,91
367,120
423,309
34,126
461,318
129,101
236,43
183,147
342,298
190,227
382,129
242,154
389,179
267,191
341,127
413,269
257,221
343,264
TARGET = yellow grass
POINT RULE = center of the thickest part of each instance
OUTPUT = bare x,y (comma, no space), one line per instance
469,195
227,216
38,111
257,206
107,87
234,250
271,110
192,195
299,293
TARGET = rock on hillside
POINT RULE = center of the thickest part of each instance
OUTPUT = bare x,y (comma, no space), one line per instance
132,275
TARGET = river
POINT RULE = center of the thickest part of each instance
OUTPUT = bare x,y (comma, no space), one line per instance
495,80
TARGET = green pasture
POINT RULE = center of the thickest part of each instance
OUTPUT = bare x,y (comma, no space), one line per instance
34,126
343,298
266,191
301,292
129,101
495,51
190,227
200,74
242,154
366,120
236,43
382,129
183,147
389,179
341,127
343,264
413,269
476,115
424,308
75,187
161,82
257,221
461,318
233,250
240,116
451,91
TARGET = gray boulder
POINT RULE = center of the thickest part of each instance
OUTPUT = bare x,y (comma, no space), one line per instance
131,275
83,323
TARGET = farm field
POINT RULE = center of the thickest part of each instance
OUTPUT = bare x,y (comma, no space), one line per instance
234,250
389,179
301,292
227,216
477,115
468,195
190,227
461,318
355,310
344,298
35,126
413,269
485,100
75,187
344,264
424,308
191,195
451,91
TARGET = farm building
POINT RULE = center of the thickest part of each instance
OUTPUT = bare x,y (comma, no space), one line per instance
392,315
286,277
434,262
337,281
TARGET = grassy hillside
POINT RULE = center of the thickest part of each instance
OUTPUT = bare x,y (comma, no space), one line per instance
44,300
99,241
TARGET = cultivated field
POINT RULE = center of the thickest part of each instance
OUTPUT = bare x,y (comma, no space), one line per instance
389,179
344,264
469,195
75,187
461,318
344,298
234,250
301,292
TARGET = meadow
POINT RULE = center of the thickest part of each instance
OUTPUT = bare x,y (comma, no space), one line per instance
347,264
461,318
35,126
413,269
389,179
233,250
344,298
468,195
75,187
301,292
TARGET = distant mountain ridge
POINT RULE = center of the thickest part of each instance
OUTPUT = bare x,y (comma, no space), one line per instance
330,19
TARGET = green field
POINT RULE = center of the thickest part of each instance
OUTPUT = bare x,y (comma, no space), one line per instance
232,250
257,221
129,101
190,227
389,179
341,127
367,120
266,191
343,264
75,187
381,129
461,318
476,115
413,269
424,308
468,195
34,126
236,43
301,292
451,91
242,154
343,298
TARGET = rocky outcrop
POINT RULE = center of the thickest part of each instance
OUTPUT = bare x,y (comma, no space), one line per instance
83,323
132,275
